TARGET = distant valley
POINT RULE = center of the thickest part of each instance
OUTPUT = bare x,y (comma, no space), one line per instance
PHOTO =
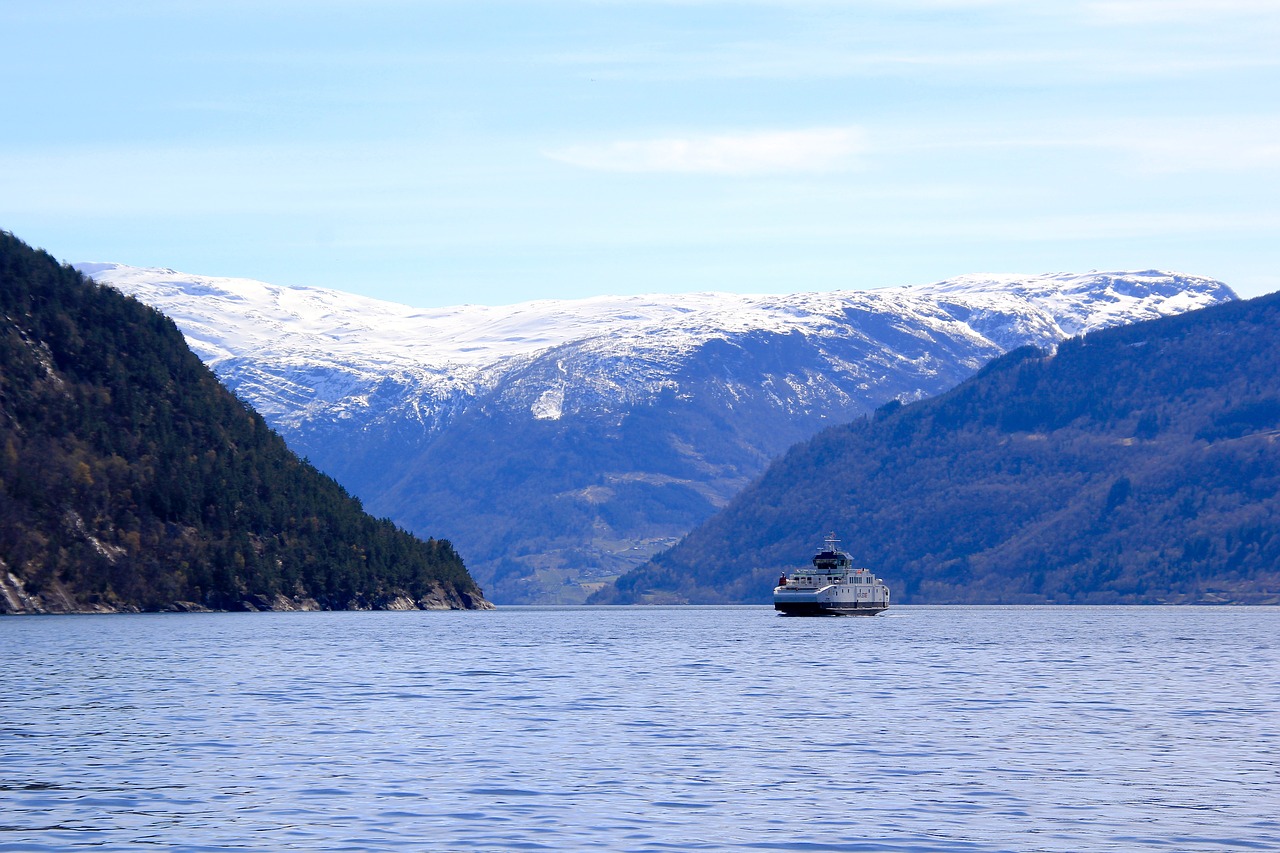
558,444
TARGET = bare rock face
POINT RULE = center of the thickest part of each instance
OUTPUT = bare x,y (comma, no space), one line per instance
278,602
442,599
473,602
297,602
16,599
188,607
13,594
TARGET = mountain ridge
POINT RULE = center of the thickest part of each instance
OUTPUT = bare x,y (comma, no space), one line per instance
468,347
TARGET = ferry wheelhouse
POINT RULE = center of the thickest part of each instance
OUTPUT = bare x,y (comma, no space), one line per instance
831,587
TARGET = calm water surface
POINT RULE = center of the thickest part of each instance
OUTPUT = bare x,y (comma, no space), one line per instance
674,729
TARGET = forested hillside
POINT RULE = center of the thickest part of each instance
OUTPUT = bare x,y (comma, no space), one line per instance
131,479
1137,465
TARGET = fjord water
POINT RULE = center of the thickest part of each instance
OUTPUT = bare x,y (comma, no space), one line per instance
926,729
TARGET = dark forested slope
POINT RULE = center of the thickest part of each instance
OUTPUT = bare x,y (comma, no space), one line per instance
1137,465
131,479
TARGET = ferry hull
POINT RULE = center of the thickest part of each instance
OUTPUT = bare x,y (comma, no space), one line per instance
815,608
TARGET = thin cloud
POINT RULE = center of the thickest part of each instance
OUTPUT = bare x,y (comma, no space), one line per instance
1201,144
755,153
1248,147
1156,11
1026,67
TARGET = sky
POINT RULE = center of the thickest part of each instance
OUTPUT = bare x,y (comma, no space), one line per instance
442,152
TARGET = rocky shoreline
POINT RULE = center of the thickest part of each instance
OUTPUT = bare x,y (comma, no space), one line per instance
16,600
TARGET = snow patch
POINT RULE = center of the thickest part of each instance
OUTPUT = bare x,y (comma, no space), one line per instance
549,406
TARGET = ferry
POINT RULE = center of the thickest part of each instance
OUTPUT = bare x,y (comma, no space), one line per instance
832,587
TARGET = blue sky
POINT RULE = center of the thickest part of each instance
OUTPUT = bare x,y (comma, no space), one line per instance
440,152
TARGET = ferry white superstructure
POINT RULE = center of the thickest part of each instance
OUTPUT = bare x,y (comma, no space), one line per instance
832,586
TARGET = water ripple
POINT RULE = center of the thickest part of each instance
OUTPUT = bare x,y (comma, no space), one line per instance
973,730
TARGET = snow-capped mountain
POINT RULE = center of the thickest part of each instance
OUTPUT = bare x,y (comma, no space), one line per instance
556,440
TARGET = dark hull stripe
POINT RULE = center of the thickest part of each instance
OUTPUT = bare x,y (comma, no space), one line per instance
813,608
